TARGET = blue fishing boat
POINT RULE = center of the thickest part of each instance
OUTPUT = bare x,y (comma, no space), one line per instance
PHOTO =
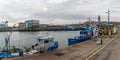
84,35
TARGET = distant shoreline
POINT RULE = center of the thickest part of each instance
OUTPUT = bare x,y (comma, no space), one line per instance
43,30
37,30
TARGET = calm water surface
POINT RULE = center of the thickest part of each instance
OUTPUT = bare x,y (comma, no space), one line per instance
22,39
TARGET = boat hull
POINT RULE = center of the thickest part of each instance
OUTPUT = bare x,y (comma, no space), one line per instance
84,35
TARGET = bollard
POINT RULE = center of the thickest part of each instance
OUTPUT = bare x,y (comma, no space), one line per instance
99,41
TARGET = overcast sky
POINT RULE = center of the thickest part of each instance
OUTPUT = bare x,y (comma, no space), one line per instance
57,11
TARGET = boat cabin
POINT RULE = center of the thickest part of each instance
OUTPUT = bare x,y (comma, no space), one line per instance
44,39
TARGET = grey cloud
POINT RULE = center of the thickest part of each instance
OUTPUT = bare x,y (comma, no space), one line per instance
15,10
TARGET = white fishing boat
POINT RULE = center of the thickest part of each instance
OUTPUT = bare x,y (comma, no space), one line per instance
45,43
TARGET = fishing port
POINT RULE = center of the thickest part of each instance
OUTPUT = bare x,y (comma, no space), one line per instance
59,30
78,44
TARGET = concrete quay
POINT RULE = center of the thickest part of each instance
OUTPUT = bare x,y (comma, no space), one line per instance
110,52
79,51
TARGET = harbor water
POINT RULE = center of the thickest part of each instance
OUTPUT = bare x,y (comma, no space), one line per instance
27,39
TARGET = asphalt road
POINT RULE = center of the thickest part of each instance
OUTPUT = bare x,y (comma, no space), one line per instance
110,52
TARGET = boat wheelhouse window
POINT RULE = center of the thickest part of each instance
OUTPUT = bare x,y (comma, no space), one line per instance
46,41
51,39
39,40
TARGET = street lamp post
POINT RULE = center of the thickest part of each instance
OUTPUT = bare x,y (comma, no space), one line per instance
108,23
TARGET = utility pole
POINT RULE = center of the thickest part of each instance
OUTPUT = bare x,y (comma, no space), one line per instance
108,23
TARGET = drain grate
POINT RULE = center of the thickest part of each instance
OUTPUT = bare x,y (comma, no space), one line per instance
59,54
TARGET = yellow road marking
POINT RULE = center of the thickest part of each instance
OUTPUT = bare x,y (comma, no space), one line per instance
99,49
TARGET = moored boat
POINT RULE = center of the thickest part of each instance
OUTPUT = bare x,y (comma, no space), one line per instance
84,35
45,43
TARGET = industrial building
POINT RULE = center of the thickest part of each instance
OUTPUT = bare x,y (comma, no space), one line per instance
32,24
29,25
21,26
2,26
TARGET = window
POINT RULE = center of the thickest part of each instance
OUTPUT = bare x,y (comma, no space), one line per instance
39,40
46,41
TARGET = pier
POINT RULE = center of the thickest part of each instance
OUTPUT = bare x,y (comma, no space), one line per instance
80,51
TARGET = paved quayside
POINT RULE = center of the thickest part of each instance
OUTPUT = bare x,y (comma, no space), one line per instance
75,52
110,52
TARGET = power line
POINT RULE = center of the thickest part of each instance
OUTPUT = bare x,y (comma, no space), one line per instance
115,11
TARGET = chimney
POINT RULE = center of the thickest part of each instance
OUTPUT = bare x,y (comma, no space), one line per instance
99,18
